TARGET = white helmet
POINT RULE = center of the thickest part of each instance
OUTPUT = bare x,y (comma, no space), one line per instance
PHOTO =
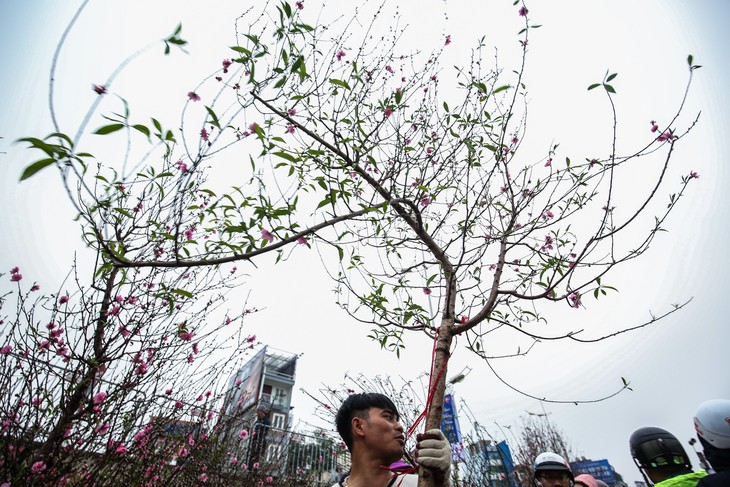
551,461
712,422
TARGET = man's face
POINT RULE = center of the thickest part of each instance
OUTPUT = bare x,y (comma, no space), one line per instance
554,479
384,434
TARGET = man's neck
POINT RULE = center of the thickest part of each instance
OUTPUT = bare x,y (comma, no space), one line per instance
368,472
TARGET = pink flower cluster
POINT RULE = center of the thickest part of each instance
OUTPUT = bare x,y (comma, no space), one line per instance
15,275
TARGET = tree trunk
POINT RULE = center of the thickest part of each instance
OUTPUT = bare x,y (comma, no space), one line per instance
438,385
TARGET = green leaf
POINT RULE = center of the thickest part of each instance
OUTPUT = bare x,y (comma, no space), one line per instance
143,129
108,129
213,117
609,88
502,88
183,292
339,82
287,156
280,83
594,85
690,59
35,167
611,77
123,212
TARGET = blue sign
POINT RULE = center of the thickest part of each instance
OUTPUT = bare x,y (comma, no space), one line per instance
450,422
600,469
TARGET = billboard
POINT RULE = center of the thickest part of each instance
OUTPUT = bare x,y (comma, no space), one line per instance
248,379
600,469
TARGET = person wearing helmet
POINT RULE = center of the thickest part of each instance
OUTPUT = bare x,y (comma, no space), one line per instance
661,459
712,423
551,470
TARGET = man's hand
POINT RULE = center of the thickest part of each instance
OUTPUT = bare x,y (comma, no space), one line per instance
433,450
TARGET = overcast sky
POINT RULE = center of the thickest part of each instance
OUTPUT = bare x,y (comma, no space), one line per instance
673,366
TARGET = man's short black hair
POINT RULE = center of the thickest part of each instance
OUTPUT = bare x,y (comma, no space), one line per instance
359,405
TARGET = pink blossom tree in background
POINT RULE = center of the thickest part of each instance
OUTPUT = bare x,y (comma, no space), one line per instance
417,197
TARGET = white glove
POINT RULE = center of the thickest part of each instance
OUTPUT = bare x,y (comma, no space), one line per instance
433,450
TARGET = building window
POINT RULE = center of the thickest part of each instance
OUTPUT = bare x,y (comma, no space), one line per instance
278,420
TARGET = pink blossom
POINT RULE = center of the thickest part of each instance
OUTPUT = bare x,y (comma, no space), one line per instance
178,404
123,331
121,450
425,201
63,299
5,350
388,112
35,287
203,477
574,299
300,5
243,434
514,139
238,382
447,41
389,69
693,175
192,96
654,126
251,338
292,111
189,233
266,235
270,479
549,162
181,166
103,428
99,89
290,128
38,467
464,319
226,64
204,134
523,11
190,358
547,214
668,135
196,350
16,277
252,127
427,291
168,391
340,54
234,461
255,466
100,398
302,241
114,311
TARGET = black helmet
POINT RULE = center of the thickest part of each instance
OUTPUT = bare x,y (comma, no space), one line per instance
656,448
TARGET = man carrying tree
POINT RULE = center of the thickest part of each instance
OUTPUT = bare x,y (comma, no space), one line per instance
369,424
